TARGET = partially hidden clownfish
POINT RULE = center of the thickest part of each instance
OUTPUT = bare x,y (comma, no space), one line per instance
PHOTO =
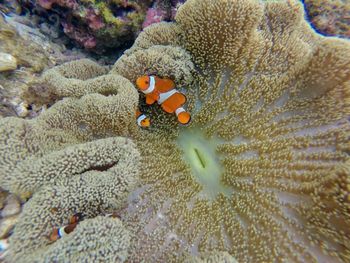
163,91
58,233
76,218
142,119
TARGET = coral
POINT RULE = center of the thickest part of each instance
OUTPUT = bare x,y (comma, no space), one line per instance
95,25
262,170
329,17
154,16
161,11
47,4
81,37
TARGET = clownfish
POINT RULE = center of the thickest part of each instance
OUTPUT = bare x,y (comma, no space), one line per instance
76,218
163,91
73,221
142,119
58,233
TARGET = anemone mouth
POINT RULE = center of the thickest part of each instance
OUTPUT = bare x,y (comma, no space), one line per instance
199,152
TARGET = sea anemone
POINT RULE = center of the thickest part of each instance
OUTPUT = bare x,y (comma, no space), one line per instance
262,172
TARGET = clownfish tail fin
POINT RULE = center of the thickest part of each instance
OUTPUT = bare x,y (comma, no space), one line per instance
183,116
142,120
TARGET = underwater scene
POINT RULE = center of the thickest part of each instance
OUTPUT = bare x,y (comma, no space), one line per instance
198,131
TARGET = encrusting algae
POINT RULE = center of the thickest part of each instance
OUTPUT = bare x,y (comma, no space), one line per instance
260,174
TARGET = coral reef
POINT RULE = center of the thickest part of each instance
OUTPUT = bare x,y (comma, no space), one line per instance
94,25
100,26
161,11
330,18
33,52
261,173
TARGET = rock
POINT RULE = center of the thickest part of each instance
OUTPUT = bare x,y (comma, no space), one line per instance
3,195
12,206
22,110
7,62
6,226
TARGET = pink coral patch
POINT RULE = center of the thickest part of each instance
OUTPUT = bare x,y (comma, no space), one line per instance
94,20
154,15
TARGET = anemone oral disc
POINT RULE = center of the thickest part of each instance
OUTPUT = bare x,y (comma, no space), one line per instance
199,153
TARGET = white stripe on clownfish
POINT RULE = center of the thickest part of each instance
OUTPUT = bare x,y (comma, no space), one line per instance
140,119
152,85
179,110
164,96
61,231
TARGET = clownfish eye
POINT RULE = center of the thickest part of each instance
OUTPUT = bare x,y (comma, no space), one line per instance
147,82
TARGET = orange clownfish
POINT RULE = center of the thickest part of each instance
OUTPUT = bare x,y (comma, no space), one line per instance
142,119
75,218
163,91
58,233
